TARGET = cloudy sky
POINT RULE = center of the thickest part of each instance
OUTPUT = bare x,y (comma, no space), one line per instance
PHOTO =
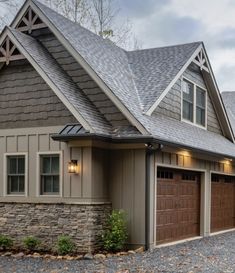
166,22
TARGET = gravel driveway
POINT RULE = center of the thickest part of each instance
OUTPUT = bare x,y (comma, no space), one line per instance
214,254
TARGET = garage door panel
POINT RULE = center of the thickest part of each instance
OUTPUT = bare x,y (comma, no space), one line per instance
222,202
178,205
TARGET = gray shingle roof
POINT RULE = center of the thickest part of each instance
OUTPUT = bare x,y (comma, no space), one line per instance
63,82
155,68
182,133
135,78
229,102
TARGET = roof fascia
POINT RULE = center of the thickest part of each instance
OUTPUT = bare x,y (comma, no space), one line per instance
217,100
154,106
45,77
82,62
20,13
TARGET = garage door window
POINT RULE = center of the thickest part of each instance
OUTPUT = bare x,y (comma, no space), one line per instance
165,174
188,176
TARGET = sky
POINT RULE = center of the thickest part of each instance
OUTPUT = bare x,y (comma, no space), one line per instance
166,22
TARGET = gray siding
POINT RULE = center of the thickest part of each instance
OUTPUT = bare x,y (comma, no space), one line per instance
27,101
127,189
171,104
83,80
87,186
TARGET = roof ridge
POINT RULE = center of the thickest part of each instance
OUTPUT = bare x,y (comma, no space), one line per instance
163,47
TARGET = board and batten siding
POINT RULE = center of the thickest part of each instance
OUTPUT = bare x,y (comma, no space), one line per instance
170,106
75,188
81,78
127,190
27,101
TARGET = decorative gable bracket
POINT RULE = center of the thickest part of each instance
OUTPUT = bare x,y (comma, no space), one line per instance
9,52
200,61
30,21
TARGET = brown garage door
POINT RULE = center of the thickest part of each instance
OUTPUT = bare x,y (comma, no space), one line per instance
178,205
222,202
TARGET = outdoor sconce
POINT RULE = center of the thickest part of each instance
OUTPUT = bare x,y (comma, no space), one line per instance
73,167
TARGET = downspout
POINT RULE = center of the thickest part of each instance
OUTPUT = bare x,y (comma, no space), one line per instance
150,149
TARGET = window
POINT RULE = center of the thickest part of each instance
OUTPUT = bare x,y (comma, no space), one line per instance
16,174
194,103
200,106
165,174
188,100
50,174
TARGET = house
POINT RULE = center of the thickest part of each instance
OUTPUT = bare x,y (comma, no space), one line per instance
86,126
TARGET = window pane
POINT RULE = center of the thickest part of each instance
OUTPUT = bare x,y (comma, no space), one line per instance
46,164
200,116
47,184
50,166
188,111
200,97
21,183
188,91
56,184
21,167
13,183
12,165
55,164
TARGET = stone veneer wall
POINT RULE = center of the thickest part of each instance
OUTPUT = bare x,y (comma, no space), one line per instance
84,223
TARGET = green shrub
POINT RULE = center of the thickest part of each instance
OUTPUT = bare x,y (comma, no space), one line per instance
31,243
5,242
65,245
115,236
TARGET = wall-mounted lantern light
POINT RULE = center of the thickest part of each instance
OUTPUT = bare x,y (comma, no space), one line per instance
73,167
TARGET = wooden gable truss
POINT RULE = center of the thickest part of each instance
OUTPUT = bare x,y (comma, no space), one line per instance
30,21
200,61
9,52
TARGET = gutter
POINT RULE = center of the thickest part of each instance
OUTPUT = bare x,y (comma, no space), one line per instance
135,139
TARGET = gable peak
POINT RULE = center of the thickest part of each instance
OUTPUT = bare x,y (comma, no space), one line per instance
9,52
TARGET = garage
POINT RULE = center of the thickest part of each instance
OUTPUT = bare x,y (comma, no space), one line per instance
178,205
222,202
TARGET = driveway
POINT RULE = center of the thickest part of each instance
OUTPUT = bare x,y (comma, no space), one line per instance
215,254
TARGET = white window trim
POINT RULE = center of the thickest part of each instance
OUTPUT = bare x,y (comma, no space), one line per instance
38,184
195,85
5,194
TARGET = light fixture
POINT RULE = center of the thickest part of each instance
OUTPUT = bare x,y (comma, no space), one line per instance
73,166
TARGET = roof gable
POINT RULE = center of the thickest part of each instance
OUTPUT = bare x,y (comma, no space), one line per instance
106,63
157,69
58,81
200,59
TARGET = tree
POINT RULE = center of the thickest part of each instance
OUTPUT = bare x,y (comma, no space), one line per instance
99,16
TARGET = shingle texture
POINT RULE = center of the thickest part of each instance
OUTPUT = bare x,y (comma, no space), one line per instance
136,78
229,102
63,82
154,69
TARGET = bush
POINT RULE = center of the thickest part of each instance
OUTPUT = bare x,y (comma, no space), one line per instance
5,242
65,245
115,236
31,243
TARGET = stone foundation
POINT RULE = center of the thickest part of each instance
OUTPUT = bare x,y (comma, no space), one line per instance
83,223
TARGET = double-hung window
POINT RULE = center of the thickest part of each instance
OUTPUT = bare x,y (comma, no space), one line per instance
16,174
193,103
50,174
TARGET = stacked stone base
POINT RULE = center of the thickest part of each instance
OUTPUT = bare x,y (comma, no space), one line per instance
83,223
